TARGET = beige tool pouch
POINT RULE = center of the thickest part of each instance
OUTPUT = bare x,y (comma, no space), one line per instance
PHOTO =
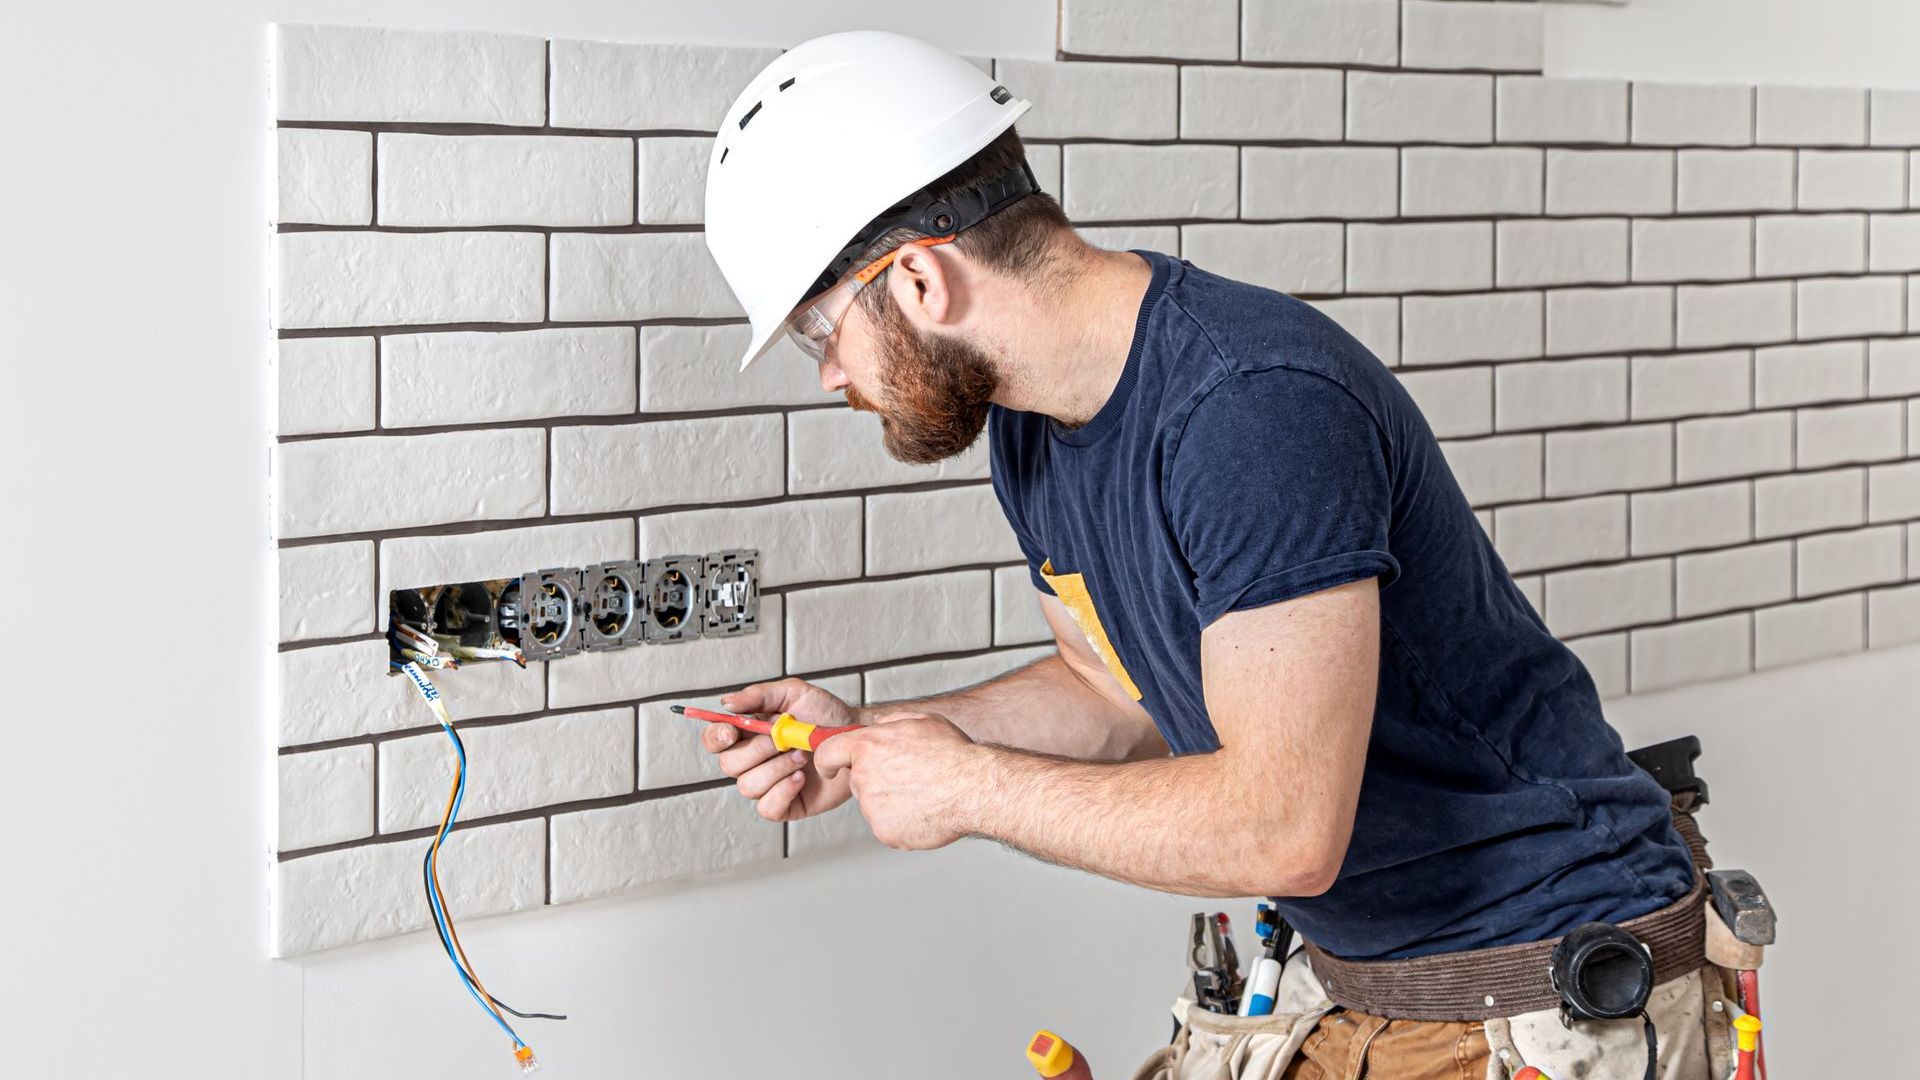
1215,1046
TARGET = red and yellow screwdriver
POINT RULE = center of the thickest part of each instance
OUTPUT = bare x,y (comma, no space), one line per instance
789,732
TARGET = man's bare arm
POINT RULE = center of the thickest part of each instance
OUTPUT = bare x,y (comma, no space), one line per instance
1290,688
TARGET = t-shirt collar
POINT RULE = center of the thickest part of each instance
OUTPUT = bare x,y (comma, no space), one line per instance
1117,402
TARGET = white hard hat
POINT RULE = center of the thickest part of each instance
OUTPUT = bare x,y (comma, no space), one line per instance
829,137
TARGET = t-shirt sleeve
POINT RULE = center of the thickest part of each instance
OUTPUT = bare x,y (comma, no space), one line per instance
1278,487
1001,459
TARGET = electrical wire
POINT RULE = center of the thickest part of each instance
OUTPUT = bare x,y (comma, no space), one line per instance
430,878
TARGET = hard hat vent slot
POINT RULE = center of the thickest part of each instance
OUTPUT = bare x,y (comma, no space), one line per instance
750,114
724,151
786,84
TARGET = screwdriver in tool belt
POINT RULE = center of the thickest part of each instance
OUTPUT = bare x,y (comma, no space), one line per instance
788,732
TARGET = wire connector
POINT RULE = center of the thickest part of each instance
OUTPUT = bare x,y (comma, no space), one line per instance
524,1055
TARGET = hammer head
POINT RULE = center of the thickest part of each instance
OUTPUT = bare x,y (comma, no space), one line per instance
1742,905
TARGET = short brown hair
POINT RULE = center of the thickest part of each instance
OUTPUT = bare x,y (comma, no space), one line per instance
1017,239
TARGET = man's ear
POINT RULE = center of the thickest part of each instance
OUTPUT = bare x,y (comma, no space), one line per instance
925,283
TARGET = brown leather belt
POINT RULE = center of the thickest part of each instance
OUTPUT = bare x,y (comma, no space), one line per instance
1508,980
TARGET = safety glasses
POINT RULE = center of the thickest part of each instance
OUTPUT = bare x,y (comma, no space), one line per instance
813,326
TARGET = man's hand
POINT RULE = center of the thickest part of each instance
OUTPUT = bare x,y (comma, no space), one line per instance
784,787
915,774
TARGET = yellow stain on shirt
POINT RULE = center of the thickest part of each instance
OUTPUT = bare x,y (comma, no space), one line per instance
1072,591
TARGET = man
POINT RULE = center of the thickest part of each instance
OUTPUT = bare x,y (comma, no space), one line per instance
1290,663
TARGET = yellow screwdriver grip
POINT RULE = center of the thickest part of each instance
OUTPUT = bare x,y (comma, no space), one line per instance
1747,1029
792,733
1049,1054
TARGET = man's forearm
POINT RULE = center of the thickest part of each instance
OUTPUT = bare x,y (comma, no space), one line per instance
1189,825
1043,707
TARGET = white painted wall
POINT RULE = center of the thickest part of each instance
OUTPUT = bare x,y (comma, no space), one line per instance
1812,42
132,203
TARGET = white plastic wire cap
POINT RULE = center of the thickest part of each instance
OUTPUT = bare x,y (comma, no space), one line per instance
822,141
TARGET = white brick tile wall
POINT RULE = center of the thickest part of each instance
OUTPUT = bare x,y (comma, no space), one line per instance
1442,181
1810,244
1017,618
326,384
1610,459
691,368
1844,434
805,541
1716,181
1895,119
909,531
1792,633
326,797
1605,658
407,76
1489,326
615,675
326,590
1312,181
1605,320
1693,249
1299,258
1609,597
1473,34
1499,470
1676,114
1442,256
1740,577
1810,116
1684,519
1373,321
1893,491
908,681
1094,101
1852,180
1805,374
324,177
1692,384
1894,243
1664,656
1808,502
1893,617
1532,109
476,377
671,178
1111,182
453,180
525,266
386,279
1456,402
603,84
1321,31
1839,307
1752,313
1582,252
1893,367
624,276
871,621
718,459
1208,30
1560,392
1261,103
617,848
1540,536
1718,447
408,562
1385,107
364,483
373,891
1610,182
1836,562
515,766
840,449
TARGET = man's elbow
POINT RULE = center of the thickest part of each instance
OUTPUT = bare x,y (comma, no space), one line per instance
1303,869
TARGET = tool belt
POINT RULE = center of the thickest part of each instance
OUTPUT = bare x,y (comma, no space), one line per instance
1507,980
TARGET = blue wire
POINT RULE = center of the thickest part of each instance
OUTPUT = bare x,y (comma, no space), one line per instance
433,892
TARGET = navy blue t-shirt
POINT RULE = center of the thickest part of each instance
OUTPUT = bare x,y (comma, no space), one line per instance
1253,452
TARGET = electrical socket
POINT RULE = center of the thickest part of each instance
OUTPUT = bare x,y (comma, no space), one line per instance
674,603
547,609
613,601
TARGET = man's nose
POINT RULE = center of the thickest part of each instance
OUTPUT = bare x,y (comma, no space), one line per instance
832,379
